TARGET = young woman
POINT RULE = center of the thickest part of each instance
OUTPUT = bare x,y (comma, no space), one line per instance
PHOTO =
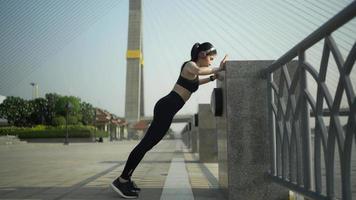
202,55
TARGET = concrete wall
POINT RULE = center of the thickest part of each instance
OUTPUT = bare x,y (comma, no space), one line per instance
243,145
207,138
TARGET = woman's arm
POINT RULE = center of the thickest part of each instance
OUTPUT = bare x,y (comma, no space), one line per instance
203,81
207,80
194,69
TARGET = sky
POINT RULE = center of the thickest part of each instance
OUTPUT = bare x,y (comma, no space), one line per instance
2,98
79,47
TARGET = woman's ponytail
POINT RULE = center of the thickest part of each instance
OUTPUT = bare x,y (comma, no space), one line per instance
194,52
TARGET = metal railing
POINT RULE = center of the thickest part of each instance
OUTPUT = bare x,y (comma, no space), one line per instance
295,163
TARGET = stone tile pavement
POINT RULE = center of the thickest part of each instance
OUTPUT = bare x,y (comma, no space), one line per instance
84,171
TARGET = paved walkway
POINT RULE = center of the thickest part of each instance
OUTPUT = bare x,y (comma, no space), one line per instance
85,170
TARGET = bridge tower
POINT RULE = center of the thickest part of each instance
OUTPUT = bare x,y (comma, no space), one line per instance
134,102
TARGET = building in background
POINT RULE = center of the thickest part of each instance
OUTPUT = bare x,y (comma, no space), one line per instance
115,126
35,90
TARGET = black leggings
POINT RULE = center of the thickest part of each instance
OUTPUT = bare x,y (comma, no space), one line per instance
163,114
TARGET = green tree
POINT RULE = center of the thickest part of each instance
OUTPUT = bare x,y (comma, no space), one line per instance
74,111
16,110
87,111
52,99
62,103
59,121
72,120
39,108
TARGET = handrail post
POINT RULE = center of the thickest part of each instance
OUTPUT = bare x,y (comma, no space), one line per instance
271,126
304,122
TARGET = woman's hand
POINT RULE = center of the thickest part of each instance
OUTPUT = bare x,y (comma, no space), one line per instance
223,63
217,76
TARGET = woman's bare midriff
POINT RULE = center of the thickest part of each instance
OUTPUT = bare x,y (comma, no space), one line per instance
184,93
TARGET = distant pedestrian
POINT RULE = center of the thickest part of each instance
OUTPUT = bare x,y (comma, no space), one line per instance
202,55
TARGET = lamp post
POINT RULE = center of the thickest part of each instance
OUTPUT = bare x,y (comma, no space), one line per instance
68,107
34,90
95,124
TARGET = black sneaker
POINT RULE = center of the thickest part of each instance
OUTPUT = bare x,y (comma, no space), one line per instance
134,186
124,189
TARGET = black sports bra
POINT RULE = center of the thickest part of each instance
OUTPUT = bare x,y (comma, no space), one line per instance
190,85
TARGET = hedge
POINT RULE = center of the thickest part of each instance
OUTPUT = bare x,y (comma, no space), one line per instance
74,131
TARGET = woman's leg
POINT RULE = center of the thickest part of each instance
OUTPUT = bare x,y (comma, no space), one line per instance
154,134
164,111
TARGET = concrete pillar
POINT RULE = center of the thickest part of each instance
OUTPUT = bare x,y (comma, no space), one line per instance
243,143
126,132
121,133
193,135
188,139
185,137
116,132
207,141
111,134
134,71
194,139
